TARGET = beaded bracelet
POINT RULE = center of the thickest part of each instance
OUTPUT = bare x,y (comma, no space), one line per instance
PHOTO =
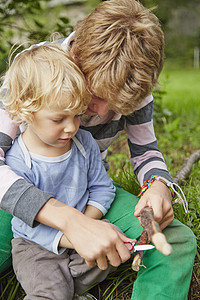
149,182
174,188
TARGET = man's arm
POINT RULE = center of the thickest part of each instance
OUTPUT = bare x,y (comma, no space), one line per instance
97,242
91,212
17,196
158,196
8,132
147,161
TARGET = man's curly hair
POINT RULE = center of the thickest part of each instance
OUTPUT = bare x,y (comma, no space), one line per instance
119,48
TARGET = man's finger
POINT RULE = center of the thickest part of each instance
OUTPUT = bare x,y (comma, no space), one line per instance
90,263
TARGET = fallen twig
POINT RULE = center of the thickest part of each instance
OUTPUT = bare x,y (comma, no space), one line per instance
187,167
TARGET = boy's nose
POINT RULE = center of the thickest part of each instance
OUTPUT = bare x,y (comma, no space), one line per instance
70,127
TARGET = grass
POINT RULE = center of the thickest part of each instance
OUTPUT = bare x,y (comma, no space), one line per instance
178,132
182,131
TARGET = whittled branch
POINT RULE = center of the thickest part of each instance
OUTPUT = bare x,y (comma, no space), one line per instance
139,254
153,231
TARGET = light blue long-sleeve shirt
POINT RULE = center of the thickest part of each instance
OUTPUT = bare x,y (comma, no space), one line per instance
76,178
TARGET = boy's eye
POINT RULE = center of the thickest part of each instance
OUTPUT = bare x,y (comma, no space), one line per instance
57,120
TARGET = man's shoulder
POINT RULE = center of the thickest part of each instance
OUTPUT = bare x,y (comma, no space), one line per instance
15,153
15,147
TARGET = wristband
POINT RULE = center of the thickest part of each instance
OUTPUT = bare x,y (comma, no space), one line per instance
173,187
147,183
168,184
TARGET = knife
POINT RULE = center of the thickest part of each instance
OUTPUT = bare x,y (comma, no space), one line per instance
133,248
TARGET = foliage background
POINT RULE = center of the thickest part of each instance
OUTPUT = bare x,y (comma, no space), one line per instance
176,115
37,20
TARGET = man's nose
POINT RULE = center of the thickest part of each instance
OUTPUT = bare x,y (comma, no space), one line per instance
102,108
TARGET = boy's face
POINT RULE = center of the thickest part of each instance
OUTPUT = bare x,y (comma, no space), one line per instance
52,129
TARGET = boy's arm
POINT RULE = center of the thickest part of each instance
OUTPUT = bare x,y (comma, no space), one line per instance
97,187
93,212
100,186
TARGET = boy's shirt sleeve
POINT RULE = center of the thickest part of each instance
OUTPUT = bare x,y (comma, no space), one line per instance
100,186
146,158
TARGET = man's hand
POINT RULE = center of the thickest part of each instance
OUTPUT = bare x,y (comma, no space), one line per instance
96,241
158,197
99,243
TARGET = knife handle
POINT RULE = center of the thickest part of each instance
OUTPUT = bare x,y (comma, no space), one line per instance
129,245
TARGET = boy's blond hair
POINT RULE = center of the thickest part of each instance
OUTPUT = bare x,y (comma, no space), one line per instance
119,48
44,76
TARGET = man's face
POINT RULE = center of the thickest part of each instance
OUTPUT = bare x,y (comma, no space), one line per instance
97,106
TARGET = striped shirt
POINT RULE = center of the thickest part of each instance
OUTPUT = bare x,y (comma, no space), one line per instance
146,158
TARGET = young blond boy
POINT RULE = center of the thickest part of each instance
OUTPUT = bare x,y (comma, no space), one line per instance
47,92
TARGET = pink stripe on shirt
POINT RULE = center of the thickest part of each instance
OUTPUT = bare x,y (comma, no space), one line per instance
2,154
146,101
8,177
148,167
137,161
8,126
105,143
141,134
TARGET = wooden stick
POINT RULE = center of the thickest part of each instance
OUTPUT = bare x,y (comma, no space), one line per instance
139,254
187,167
151,232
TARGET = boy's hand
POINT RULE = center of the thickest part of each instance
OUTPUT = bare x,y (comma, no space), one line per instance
158,197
